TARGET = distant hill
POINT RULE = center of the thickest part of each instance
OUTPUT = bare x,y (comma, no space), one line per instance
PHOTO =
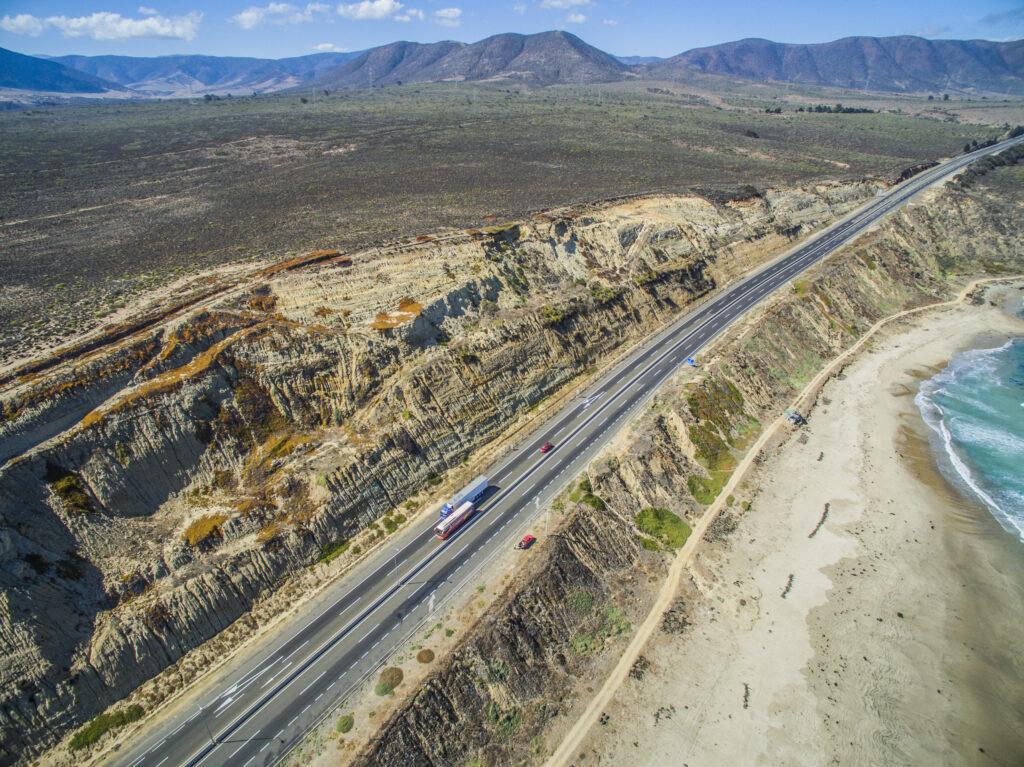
542,59
633,61
198,75
903,64
34,74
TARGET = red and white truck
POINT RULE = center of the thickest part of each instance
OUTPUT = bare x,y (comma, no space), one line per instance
454,521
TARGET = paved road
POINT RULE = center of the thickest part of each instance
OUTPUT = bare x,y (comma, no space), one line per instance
262,710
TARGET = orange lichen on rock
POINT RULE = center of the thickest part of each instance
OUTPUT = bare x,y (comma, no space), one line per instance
308,259
408,310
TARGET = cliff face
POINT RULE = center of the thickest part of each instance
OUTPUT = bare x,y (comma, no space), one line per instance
159,484
676,457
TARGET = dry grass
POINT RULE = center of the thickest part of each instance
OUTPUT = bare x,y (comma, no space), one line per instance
206,528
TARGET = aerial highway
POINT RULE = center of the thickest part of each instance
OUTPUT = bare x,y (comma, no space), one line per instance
260,708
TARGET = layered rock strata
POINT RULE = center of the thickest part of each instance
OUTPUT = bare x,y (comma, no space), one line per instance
155,487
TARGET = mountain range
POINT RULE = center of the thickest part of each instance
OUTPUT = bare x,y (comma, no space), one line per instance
173,76
896,64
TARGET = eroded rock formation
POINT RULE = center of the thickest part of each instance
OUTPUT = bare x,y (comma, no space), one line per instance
156,486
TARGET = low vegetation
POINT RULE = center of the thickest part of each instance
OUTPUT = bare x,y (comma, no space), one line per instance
611,623
206,529
333,550
425,157
664,527
99,726
389,679
345,723
69,487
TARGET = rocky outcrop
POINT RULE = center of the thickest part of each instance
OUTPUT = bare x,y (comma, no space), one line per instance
677,456
156,488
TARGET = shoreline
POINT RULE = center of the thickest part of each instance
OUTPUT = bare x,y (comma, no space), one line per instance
860,642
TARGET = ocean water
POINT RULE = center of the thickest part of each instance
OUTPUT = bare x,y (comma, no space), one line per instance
976,409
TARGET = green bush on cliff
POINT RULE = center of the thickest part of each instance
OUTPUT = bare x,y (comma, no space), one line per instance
663,526
345,723
704,489
711,449
99,726
580,602
612,623
507,722
69,487
333,550
649,543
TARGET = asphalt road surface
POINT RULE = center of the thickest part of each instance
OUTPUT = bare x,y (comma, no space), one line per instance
268,701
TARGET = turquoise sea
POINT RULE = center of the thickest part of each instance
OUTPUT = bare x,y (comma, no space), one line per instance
976,409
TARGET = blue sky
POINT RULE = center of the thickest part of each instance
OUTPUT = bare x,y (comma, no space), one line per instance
622,27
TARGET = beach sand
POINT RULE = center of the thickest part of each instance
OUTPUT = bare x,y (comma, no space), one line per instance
891,636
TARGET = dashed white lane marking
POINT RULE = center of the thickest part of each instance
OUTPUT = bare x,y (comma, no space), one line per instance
251,758
318,697
266,745
162,761
313,682
305,709
367,634
364,655
244,744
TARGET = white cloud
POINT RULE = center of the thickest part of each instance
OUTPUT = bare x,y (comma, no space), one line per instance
279,13
148,11
329,48
409,14
520,8
108,26
609,22
448,17
22,24
575,18
563,5
368,10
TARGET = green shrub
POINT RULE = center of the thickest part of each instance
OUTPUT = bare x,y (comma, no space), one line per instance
389,679
345,723
664,526
611,623
703,489
593,502
99,726
649,543
333,549
580,602
69,487
497,671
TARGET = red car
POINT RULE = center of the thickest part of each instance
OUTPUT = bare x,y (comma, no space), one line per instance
546,446
526,543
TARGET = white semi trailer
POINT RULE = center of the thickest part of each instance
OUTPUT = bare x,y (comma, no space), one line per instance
470,493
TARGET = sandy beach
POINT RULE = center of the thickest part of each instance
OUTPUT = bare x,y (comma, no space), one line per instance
863,611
